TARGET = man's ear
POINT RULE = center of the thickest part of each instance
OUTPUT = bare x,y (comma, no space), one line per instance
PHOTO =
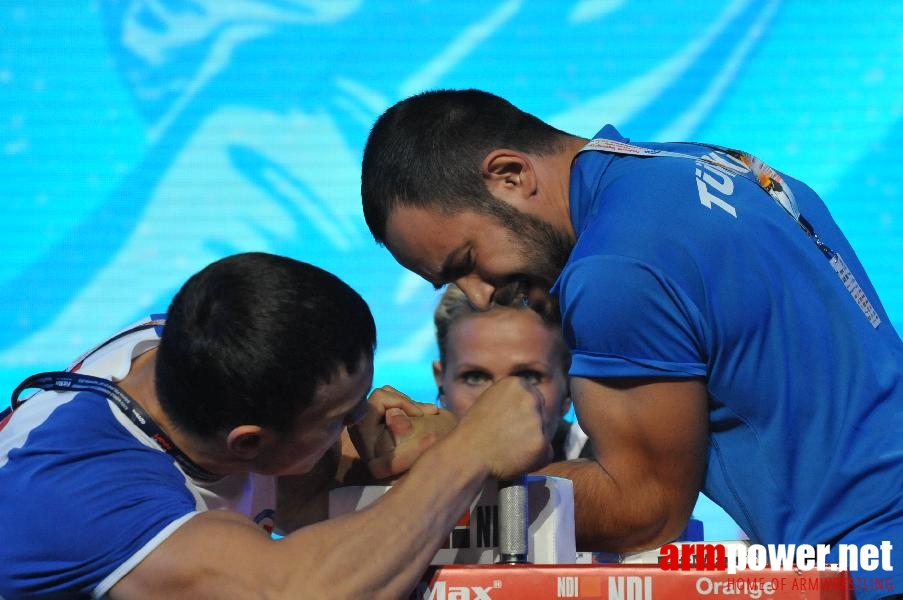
246,441
509,175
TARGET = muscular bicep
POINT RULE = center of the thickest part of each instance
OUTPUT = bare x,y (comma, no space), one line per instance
650,436
216,554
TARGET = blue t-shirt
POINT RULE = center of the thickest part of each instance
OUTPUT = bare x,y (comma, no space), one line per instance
86,495
684,269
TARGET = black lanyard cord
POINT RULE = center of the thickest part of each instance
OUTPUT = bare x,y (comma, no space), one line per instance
65,381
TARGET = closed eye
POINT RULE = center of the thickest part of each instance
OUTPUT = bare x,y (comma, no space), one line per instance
456,266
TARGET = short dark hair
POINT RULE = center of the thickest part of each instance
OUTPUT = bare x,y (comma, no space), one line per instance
249,338
426,151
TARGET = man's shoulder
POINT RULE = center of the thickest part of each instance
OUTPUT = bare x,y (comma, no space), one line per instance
79,433
87,495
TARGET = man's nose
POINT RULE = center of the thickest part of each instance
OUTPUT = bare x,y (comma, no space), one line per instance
477,291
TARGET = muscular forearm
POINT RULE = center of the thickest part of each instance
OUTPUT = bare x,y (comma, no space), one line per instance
383,550
650,438
378,552
618,516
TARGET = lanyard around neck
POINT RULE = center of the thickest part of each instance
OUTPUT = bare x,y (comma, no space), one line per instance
66,381
747,165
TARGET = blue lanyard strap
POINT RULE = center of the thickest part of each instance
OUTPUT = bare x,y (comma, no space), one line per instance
747,165
66,381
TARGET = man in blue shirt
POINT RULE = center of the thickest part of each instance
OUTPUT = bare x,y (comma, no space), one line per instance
725,337
149,468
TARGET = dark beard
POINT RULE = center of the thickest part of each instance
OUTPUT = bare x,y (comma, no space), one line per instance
544,248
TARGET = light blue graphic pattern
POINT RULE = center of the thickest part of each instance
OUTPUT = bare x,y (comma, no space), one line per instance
142,139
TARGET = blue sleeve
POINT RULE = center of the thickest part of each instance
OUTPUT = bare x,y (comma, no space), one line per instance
85,505
623,318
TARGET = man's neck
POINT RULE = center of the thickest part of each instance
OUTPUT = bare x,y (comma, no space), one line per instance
562,167
139,384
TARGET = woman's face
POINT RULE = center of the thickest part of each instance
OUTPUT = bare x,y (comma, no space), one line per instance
485,347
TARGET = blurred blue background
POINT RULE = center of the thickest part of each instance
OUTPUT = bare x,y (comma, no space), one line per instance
143,139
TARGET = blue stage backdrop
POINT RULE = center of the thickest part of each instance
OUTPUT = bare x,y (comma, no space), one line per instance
142,139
